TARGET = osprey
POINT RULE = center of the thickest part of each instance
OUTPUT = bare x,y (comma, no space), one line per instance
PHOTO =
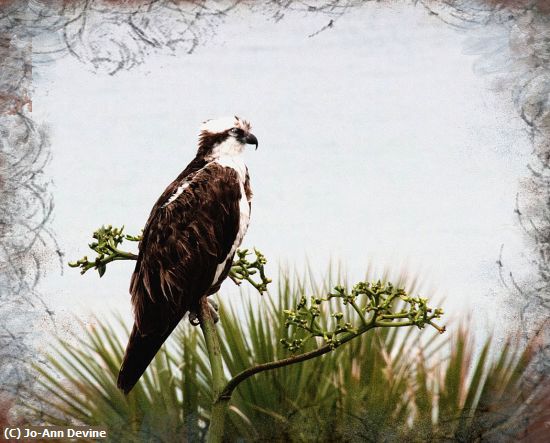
189,241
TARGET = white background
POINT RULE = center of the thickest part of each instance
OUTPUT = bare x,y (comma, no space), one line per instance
379,146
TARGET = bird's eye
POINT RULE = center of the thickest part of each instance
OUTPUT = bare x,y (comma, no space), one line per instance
235,131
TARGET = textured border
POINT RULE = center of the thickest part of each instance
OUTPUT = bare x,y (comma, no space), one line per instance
42,31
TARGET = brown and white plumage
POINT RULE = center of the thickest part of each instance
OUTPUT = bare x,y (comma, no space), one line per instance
189,241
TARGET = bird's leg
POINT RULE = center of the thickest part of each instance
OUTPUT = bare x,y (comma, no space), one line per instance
213,306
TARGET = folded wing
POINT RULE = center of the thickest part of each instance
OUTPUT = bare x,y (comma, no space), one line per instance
190,231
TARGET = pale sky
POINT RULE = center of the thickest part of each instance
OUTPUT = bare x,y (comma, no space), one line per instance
379,146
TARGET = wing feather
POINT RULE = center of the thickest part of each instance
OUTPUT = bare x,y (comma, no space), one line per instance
184,240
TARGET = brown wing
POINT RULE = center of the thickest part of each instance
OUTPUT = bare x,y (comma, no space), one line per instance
190,231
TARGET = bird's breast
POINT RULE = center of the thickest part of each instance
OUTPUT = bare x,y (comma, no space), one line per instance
244,210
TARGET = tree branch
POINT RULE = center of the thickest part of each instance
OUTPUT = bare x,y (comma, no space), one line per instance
218,411
249,372
108,239
380,303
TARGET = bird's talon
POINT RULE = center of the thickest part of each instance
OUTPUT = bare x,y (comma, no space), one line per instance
213,305
214,315
213,308
194,319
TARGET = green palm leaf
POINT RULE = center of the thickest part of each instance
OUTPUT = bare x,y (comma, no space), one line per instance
389,385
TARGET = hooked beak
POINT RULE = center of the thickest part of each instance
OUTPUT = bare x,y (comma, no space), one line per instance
251,139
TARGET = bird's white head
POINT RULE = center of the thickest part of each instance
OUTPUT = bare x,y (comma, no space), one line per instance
225,136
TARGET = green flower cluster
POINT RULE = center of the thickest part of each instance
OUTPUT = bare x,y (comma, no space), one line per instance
108,239
366,306
242,269
106,246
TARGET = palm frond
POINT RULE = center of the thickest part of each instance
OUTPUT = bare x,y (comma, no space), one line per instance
389,385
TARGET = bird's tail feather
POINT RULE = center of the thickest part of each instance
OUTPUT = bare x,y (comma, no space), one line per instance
140,351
